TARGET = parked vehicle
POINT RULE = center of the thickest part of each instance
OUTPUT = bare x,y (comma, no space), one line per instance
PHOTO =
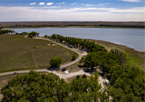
63,69
107,82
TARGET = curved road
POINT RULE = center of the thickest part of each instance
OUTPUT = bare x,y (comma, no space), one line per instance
64,76
42,70
68,64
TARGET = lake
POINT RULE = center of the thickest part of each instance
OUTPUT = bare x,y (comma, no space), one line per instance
133,38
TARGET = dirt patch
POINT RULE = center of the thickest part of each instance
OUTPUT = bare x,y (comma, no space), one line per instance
35,48
51,44
73,68
4,81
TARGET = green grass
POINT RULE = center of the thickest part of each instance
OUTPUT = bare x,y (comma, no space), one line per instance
17,53
135,58
73,68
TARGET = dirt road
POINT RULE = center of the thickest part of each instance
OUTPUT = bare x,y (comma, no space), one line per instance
64,76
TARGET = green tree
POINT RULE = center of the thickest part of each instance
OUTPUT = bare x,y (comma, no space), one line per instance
35,87
24,33
1,27
73,57
45,36
91,60
55,61
33,34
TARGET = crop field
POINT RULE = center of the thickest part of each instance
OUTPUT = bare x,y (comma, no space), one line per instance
18,53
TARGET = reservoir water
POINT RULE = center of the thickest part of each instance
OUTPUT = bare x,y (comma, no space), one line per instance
133,38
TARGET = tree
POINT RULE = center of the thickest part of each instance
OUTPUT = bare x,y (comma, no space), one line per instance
35,87
73,57
55,61
24,33
33,34
124,79
45,36
91,60
1,27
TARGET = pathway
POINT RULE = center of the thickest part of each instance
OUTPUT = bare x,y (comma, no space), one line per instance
64,76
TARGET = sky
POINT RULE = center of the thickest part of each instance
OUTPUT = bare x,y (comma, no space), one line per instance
72,10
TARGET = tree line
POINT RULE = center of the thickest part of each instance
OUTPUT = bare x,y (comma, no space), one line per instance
6,32
126,26
31,34
127,83
35,87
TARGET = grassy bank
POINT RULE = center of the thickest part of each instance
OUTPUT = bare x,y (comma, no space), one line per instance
19,53
135,58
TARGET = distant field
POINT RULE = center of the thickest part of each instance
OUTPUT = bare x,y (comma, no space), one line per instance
72,24
17,53
135,58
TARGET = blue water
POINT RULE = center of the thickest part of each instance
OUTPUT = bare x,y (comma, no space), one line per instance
133,38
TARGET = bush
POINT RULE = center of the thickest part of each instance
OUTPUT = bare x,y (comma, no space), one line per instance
74,57
45,36
84,76
55,61
31,36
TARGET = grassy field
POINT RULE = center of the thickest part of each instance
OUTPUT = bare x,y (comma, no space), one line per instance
17,53
135,58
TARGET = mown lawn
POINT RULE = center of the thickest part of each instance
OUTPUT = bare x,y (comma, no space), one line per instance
134,58
18,52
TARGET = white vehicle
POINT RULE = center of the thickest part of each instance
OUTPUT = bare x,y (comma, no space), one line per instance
107,82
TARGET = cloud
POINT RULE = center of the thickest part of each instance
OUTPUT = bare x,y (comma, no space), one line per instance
83,14
73,3
33,3
103,4
89,5
112,10
49,3
131,10
61,3
41,3
52,7
131,0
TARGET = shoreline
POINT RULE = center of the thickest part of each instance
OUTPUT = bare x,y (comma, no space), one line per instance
142,51
117,44
134,58
74,27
